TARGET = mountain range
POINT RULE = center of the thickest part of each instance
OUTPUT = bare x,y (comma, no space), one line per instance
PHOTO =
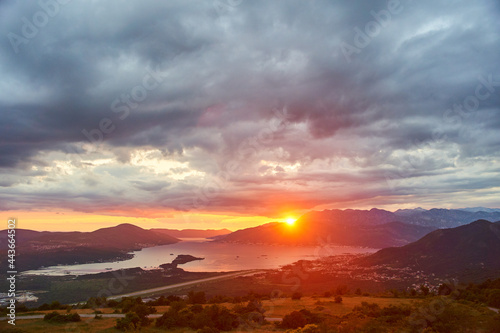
374,228
447,218
122,237
318,232
471,252
436,217
43,248
192,233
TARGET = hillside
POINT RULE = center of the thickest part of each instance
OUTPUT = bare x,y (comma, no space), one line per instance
52,248
123,237
310,231
193,233
470,252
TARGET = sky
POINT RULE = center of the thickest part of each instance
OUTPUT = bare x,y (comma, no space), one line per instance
233,113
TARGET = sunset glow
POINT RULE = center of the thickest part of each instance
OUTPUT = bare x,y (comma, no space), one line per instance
174,127
230,155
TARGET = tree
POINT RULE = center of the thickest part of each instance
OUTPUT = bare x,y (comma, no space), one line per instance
55,317
294,320
310,328
368,309
201,320
197,297
300,318
225,320
130,322
55,305
112,303
296,295
444,289
338,299
207,329
395,292
424,290
494,298
341,290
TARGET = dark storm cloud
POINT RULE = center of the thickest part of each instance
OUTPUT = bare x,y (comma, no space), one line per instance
197,82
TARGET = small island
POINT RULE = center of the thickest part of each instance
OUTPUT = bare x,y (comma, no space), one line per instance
180,260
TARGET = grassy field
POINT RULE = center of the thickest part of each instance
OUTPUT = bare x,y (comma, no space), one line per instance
280,307
275,308
101,326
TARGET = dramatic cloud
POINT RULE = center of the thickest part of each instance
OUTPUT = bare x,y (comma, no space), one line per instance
146,108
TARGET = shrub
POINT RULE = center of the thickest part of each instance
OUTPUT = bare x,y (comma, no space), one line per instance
197,297
294,320
220,299
296,295
50,316
396,310
55,305
300,318
341,290
196,308
54,317
196,317
130,322
112,303
136,317
368,309
44,307
22,307
223,319
338,299
252,306
207,329
494,298
424,289
309,328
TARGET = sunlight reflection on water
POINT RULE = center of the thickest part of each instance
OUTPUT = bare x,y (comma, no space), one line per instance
218,257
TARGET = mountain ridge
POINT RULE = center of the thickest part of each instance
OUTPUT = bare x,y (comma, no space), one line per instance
44,248
375,228
314,232
470,251
192,233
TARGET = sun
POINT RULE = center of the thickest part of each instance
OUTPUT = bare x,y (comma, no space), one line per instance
290,221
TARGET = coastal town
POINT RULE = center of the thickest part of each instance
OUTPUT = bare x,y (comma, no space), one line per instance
346,269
